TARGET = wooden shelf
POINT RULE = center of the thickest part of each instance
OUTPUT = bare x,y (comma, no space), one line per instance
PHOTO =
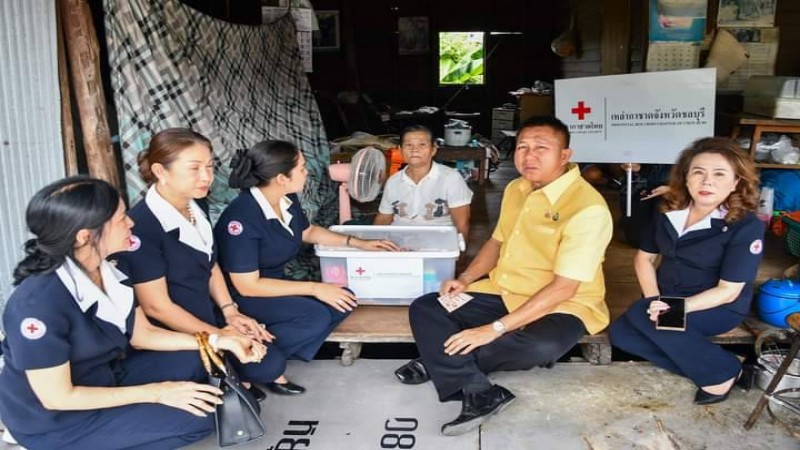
777,166
766,125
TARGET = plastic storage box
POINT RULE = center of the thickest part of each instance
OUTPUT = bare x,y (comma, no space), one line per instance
392,278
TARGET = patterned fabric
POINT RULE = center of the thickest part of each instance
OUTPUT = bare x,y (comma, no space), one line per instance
172,66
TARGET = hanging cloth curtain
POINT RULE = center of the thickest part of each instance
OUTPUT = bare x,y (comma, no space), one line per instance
172,66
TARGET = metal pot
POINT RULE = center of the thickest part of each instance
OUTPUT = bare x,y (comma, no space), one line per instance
769,362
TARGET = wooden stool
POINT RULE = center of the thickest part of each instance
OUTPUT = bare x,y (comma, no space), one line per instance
794,323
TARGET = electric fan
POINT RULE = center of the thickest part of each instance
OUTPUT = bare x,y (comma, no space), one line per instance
360,179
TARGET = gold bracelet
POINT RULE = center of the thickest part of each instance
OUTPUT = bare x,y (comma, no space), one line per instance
235,306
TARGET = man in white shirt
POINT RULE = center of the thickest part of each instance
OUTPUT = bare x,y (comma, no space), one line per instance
424,192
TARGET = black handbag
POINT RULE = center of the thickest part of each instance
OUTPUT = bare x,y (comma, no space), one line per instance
237,418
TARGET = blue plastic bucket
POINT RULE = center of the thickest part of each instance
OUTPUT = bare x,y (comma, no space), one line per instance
777,299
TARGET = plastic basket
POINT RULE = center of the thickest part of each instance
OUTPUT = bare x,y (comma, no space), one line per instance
792,236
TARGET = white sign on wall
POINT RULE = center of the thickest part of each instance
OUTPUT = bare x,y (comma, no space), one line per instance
643,117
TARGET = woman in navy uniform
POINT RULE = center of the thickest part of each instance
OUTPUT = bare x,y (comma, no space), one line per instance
260,232
172,260
69,324
710,243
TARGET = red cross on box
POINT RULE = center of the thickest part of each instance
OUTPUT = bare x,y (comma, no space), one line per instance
360,271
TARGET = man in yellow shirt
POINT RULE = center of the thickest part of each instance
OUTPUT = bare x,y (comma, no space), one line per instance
544,290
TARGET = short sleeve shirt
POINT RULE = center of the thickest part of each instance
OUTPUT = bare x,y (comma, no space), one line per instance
156,253
561,229
427,202
249,241
699,259
45,328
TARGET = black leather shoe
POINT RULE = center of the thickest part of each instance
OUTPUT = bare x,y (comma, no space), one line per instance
476,408
744,380
702,397
287,388
412,372
257,393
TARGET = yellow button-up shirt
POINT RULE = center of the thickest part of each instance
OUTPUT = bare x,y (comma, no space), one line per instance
561,229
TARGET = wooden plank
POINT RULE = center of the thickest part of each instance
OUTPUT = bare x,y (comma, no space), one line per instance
377,324
67,127
616,37
84,55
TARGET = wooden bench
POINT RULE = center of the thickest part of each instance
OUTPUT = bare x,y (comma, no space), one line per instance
389,324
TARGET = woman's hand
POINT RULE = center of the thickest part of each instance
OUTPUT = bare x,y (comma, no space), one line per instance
338,298
248,326
245,349
657,191
373,245
198,399
468,340
656,308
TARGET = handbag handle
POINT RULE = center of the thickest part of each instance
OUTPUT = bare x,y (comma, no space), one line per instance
207,354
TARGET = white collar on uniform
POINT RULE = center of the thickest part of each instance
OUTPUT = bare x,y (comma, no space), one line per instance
113,306
269,213
678,219
432,174
200,236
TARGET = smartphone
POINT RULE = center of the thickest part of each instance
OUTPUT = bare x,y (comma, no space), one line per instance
675,317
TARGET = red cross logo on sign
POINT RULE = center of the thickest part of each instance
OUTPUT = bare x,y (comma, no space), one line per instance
360,271
581,110
32,328
235,228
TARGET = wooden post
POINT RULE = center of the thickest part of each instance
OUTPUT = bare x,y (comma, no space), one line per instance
84,57
67,129
615,44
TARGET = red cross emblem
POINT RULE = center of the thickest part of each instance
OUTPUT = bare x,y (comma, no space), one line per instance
756,247
581,110
32,328
235,228
360,271
134,243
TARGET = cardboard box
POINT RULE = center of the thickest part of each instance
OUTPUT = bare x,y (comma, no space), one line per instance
777,97
534,105
504,114
392,278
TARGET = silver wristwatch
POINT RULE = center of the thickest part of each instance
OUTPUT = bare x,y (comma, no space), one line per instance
498,327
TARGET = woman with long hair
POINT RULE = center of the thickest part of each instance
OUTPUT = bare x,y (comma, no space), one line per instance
70,380
710,245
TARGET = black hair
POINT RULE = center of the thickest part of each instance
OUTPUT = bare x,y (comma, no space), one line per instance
259,164
547,121
56,213
414,129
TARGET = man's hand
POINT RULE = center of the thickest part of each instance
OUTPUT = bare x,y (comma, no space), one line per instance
452,287
468,340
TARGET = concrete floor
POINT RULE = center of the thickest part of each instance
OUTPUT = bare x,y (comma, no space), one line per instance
572,406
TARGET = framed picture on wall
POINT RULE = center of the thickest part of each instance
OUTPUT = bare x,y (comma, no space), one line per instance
327,37
413,36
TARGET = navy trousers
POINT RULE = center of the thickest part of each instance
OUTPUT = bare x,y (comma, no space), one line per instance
687,353
539,344
140,426
300,324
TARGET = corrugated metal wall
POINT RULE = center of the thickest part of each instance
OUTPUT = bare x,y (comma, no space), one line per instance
31,152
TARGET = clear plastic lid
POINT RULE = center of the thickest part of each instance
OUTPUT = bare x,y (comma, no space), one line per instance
439,241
